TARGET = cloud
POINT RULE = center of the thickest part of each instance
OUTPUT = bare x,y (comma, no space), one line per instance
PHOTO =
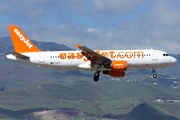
114,6
68,34
164,25
165,13
98,24
24,11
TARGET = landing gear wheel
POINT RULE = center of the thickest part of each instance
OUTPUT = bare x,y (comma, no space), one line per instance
96,78
154,76
96,74
154,73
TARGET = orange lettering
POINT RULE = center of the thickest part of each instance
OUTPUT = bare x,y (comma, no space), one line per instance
79,55
62,55
139,53
85,59
98,51
112,54
71,56
121,55
105,54
129,55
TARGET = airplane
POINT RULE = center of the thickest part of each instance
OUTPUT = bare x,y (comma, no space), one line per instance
110,62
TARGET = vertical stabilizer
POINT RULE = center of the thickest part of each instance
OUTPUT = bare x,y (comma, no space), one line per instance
20,41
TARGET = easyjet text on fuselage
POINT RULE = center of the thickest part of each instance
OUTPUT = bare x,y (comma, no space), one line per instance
109,54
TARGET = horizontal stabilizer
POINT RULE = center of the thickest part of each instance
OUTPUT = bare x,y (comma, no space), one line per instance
20,55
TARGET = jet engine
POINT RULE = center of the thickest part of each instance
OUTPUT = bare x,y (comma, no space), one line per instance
118,69
115,73
119,65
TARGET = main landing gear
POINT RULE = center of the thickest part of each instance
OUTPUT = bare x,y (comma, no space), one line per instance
96,76
154,73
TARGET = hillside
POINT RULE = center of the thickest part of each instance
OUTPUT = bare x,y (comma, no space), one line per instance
30,92
6,45
99,100
146,111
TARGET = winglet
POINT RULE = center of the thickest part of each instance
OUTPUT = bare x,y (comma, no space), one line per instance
77,45
20,41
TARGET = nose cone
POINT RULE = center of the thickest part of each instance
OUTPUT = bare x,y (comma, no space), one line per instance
173,60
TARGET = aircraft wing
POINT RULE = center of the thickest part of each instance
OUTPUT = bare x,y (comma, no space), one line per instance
95,58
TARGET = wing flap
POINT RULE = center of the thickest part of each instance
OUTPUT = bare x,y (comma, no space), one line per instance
95,58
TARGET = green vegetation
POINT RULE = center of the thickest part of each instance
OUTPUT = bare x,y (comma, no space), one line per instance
111,99
148,111
28,92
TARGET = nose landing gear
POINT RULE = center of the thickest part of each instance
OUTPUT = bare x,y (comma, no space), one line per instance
154,73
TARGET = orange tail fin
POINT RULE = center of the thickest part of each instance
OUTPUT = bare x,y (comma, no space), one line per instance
20,41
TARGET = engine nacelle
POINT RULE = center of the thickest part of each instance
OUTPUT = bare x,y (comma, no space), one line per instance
118,69
114,73
119,65
117,74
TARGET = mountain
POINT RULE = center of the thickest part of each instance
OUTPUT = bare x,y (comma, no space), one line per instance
6,45
84,100
30,92
150,112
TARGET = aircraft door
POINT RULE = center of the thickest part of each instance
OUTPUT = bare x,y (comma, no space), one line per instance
154,55
41,58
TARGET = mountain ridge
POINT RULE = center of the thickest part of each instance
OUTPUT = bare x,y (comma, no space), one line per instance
24,87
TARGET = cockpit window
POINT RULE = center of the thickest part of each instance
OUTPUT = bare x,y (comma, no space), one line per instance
165,55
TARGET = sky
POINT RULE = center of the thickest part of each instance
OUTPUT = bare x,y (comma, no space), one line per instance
97,24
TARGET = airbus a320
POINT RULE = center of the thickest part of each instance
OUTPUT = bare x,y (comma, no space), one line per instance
111,62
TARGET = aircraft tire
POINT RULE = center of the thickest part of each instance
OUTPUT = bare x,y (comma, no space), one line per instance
154,76
96,79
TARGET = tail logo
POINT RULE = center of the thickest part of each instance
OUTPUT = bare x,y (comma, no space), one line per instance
23,39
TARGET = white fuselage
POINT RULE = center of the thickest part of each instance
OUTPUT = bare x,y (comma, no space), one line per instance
73,60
